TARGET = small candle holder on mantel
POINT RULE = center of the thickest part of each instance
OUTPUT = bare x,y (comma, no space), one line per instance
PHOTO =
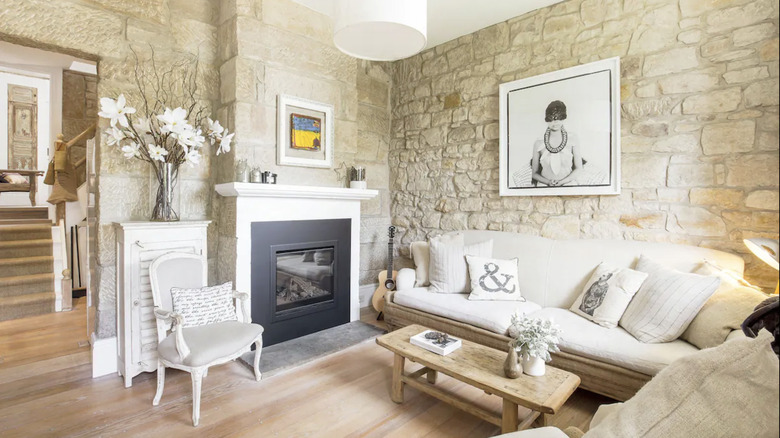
357,178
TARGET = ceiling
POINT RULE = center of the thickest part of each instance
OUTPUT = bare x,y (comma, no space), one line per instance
450,19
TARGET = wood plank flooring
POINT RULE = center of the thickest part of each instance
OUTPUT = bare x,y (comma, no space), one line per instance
342,395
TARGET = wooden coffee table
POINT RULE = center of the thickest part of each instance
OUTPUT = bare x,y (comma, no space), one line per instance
481,367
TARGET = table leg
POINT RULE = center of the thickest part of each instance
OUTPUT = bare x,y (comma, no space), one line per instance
509,417
432,375
541,420
397,391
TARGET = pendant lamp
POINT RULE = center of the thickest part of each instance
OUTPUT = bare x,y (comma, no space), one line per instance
380,30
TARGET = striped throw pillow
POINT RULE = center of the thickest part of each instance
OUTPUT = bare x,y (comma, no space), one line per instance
666,303
206,305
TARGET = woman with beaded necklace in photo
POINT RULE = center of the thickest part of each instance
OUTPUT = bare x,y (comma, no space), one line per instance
557,160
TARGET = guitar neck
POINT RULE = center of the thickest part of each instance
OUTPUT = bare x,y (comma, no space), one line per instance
390,258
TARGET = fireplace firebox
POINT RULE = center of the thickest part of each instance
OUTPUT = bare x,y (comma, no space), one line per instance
300,276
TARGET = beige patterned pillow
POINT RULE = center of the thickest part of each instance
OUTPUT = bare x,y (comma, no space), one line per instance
493,279
607,294
206,305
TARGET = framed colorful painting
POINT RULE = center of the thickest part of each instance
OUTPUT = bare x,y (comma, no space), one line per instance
305,136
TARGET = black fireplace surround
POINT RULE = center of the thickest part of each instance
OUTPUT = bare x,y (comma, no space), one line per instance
300,276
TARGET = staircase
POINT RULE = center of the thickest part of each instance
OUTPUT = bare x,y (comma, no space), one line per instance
26,268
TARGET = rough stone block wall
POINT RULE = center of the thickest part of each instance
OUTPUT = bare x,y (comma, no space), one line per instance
79,103
272,47
106,31
699,92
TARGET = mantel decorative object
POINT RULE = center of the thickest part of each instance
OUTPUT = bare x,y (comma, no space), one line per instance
169,129
357,177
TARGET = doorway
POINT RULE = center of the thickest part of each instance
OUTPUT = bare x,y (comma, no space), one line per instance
45,304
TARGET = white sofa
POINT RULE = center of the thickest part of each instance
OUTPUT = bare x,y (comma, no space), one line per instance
552,273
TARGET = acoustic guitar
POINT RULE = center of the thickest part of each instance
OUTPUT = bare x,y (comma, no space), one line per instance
386,282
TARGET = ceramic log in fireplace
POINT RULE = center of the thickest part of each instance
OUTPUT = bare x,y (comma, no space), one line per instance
300,276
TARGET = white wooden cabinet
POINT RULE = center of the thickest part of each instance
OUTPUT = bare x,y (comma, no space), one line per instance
137,245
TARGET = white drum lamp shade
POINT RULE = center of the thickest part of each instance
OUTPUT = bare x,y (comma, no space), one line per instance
380,30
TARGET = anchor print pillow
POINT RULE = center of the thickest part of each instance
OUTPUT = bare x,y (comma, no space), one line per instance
607,294
493,279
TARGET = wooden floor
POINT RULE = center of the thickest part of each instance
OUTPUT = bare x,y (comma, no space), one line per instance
342,395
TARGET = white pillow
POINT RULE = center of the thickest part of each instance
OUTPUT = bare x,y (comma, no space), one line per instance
15,178
421,255
607,294
206,305
493,279
666,303
448,271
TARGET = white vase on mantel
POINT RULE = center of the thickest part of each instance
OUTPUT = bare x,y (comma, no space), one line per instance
533,366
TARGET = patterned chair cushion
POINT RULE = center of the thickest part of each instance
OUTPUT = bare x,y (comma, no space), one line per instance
205,305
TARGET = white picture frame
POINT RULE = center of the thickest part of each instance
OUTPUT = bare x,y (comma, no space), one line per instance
306,114
587,98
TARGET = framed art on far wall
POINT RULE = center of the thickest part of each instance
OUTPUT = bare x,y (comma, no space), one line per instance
560,132
305,133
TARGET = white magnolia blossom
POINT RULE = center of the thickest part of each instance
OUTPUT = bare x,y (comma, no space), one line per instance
115,110
114,136
224,143
191,138
215,129
143,125
157,153
163,134
174,120
192,157
131,150
535,337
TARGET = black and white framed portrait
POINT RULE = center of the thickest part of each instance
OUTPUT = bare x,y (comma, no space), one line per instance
560,132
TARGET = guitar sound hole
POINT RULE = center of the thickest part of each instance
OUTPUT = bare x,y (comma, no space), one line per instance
389,284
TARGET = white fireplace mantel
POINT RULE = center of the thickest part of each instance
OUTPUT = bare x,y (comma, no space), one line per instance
288,191
275,202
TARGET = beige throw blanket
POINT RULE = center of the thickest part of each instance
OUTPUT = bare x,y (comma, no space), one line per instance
729,391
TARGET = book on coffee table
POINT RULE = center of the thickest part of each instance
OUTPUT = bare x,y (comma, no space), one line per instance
442,345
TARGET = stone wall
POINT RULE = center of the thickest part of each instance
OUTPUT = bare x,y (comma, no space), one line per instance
273,47
79,103
699,125
106,31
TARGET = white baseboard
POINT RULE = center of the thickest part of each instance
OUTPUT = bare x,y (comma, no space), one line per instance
104,354
365,294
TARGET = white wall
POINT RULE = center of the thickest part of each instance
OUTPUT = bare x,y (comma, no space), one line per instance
45,109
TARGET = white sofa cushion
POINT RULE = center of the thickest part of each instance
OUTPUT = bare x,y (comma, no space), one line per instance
495,316
552,273
493,279
607,294
421,254
666,303
615,346
448,271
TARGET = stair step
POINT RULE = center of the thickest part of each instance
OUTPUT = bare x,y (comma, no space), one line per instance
26,266
24,213
25,248
25,231
26,284
23,306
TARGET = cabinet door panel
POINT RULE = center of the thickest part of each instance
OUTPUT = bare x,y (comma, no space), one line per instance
144,325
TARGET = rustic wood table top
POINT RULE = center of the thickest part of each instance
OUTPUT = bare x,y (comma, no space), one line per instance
482,367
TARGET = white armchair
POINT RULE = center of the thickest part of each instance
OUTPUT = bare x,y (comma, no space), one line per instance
195,349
